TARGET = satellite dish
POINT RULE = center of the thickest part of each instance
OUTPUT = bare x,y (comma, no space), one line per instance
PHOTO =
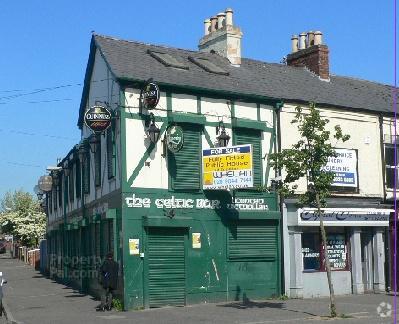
45,183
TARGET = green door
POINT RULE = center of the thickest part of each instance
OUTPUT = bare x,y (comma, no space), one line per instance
166,266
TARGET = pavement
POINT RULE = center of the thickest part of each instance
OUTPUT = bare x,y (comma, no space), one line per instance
31,298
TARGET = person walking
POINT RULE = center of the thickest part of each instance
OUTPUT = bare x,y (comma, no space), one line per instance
109,281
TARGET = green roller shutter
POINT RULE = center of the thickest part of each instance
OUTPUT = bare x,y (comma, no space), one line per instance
166,267
184,166
252,239
250,136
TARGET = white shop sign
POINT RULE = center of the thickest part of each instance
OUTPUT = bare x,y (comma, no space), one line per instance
253,204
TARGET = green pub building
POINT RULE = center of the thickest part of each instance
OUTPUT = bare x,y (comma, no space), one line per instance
141,190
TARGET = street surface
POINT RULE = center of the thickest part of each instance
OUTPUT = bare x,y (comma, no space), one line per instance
31,298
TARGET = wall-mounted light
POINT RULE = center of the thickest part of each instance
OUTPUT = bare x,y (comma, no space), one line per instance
94,141
152,131
223,139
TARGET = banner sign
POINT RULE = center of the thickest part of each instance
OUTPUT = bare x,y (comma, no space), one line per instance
345,216
227,167
344,167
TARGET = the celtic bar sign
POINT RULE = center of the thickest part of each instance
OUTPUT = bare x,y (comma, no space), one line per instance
97,118
174,138
150,95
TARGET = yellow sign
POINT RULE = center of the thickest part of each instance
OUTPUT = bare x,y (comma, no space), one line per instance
227,167
134,246
196,237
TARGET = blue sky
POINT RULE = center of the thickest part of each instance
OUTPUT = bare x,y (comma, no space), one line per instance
45,44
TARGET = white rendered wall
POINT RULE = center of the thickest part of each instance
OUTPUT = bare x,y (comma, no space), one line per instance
364,136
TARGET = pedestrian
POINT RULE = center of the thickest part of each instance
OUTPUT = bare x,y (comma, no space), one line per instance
109,280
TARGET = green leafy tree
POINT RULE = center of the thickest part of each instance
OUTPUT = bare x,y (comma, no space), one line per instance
22,216
307,158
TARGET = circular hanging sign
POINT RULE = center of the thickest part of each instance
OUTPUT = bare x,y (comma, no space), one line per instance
45,183
150,95
97,118
174,139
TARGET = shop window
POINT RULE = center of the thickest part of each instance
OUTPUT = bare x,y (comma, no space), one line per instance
111,151
313,251
185,165
251,136
390,166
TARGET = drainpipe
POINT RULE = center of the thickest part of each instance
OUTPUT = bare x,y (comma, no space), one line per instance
277,145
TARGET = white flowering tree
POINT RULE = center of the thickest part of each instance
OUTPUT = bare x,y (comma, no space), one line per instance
22,216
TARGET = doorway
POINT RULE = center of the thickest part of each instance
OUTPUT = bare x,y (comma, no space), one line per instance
366,238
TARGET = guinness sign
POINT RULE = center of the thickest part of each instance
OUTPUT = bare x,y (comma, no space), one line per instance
150,95
97,118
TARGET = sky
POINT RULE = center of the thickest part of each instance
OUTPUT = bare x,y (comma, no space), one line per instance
44,48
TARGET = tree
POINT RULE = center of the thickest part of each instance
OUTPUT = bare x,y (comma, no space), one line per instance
22,216
308,158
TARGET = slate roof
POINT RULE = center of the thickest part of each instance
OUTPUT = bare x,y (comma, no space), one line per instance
129,60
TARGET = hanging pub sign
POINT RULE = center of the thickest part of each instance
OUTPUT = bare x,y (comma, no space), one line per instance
227,167
45,183
174,138
150,95
97,118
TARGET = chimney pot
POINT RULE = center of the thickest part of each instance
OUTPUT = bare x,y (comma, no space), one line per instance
318,38
302,41
221,19
310,38
207,26
229,17
214,20
294,43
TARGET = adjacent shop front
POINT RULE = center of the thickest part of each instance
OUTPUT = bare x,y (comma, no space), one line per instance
355,246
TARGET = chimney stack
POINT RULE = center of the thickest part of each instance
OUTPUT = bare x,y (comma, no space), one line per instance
311,53
224,38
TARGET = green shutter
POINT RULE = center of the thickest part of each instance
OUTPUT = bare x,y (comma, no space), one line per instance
110,152
166,267
86,175
78,180
252,239
97,166
60,192
185,165
254,137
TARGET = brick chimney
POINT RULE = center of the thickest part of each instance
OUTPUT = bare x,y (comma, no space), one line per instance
310,52
222,37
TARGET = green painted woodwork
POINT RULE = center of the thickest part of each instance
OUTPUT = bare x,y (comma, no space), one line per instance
208,138
250,124
185,165
248,136
187,118
166,266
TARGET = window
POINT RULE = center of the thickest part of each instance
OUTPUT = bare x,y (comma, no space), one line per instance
254,137
207,65
168,60
313,251
390,167
185,165
111,154
97,166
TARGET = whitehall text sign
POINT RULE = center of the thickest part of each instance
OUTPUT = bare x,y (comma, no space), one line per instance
227,167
